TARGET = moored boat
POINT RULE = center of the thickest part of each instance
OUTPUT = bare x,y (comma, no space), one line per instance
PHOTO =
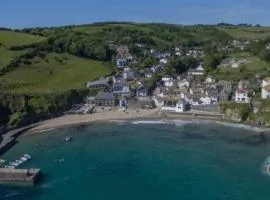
68,138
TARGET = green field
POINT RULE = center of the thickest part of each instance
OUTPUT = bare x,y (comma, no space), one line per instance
9,38
7,55
49,74
246,32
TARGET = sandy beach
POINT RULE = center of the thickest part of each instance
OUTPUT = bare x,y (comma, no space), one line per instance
69,120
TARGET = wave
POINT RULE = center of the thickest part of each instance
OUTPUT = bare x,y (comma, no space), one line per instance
266,166
12,194
150,122
180,123
45,130
242,126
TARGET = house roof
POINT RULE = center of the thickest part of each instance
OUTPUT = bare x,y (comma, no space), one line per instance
106,96
168,98
267,87
195,96
118,76
241,91
98,82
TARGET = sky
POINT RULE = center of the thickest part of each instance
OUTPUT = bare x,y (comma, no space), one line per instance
33,13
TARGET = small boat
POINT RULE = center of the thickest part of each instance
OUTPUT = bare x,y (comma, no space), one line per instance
27,156
68,138
24,159
19,162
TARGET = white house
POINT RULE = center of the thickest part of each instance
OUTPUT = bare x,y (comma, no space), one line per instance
265,88
168,82
163,60
178,107
210,80
199,71
241,96
206,100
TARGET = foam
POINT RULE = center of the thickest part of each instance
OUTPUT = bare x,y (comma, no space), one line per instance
149,122
266,166
242,126
45,130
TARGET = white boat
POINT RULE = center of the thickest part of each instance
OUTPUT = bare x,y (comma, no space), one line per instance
19,162
24,159
27,156
68,138
15,164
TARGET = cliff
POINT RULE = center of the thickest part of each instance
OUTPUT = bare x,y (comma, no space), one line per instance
236,112
22,109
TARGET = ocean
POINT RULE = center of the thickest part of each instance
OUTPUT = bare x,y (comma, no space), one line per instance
144,160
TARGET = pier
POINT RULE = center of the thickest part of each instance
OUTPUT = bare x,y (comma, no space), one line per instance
19,176
7,140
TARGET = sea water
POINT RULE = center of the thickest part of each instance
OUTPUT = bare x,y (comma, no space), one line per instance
144,160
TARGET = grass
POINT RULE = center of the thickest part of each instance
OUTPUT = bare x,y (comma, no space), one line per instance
9,38
247,32
41,76
7,55
254,66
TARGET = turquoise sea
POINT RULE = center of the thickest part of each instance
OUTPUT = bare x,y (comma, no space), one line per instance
136,160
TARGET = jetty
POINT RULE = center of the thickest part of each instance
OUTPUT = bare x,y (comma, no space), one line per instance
7,140
19,176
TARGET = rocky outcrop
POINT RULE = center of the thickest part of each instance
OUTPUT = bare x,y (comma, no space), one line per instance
23,109
236,112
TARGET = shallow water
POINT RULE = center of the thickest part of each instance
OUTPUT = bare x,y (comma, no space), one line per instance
144,160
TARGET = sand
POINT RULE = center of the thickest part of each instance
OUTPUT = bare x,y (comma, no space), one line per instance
69,120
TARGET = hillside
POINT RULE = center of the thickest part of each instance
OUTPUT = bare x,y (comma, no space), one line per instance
246,65
246,32
55,59
55,72
10,38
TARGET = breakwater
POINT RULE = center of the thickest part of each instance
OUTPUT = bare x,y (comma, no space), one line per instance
9,139
19,176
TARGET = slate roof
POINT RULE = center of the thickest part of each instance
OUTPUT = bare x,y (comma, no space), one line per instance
98,82
105,96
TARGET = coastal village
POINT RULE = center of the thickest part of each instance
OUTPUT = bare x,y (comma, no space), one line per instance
157,85
194,91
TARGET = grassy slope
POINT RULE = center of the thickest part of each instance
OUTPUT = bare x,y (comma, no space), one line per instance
254,64
9,38
7,55
50,76
247,32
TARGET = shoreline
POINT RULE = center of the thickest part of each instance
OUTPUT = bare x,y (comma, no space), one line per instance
78,120
133,115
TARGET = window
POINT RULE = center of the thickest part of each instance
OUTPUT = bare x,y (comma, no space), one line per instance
243,99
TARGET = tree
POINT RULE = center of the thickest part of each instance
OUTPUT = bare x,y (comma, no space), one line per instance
148,62
264,55
211,61
153,81
190,62
176,66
